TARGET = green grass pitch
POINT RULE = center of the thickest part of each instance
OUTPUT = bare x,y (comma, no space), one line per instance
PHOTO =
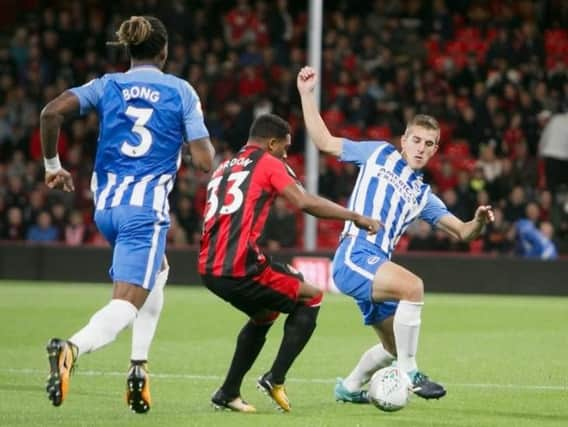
504,361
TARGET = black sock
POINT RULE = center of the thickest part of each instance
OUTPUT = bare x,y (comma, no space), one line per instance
249,343
298,329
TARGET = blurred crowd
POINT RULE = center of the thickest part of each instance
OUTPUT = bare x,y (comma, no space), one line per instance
495,74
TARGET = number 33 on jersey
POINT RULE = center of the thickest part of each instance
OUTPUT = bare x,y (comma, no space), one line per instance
145,117
239,197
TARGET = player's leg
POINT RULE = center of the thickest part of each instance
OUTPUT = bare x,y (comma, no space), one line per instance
105,325
375,358
300,323
250,342
62,354
136,258
143,248
145,324
143,330
354,268
242,294
138,251
298,328
393,282
102,329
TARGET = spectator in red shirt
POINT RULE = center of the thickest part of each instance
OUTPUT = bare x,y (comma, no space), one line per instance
546,205
446,178
251,83
513,135
239,23
35,145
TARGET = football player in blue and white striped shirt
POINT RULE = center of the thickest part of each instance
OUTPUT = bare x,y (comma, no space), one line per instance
146,116
389,188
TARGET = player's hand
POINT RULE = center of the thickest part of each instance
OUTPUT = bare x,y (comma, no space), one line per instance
484,214
60,180
306,81
370,225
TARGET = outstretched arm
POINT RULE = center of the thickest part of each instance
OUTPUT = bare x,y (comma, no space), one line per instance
318,131
323,208
467,231
51,119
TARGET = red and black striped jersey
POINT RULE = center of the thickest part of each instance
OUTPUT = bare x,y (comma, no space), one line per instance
239,196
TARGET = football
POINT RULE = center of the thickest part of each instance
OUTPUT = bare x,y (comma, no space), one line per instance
389,389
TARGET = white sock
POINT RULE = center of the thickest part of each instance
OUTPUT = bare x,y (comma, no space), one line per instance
372,360
104,326
146,322
406,333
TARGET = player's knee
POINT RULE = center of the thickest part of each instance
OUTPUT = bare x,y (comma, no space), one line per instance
253,332
303,318
154,303
265,318
416,290
314,301
309,294
154,310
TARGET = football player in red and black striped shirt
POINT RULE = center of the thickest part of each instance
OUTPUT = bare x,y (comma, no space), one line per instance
233,267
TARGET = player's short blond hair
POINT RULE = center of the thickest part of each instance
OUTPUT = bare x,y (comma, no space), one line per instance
424,121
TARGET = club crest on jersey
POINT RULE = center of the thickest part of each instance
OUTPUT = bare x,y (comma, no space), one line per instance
372,260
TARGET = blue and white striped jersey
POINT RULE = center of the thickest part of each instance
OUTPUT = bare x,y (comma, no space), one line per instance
145,116
388,190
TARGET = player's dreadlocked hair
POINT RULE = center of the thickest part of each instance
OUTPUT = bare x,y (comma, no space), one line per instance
269,126
143,36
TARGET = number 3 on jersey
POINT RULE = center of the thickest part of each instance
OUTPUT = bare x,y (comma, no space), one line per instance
235,180
141,116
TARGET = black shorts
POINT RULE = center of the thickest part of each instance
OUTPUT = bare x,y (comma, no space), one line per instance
276,289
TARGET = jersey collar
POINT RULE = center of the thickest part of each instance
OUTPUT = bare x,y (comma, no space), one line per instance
252,144
145,68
